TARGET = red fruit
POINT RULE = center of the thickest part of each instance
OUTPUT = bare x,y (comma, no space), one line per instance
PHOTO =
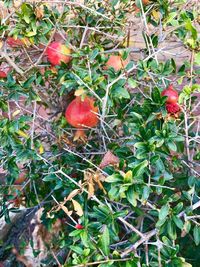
81,113
3,74
172,108
14,42
172,95
79,226
57,53
4,70
116,62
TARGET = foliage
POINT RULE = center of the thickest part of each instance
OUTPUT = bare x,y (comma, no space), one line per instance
142,211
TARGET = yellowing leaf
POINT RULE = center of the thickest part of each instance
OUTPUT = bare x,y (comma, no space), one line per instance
129,43
77,207
156,14
16,112
22,134
79,92
128,176
41,149
1,44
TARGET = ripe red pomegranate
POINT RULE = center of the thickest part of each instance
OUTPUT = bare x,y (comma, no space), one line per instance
81,113
116,62
172,108
57,53
172,95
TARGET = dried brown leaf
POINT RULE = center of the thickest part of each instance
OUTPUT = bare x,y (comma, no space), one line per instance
90,190
109,159
73,194
77,207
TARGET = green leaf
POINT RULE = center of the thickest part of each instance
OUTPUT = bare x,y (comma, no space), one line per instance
191,28
160,223
120,92
105,241
139,169
197,58
84,238
49,178
178,222
114,178
196,234
146,192
94,54
178,208
77,249
156,95
136,115
132,83
172,146
164,211
171,229
132,196
75,233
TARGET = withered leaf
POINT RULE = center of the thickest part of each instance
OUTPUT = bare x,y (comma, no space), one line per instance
109,159
73,194
77,207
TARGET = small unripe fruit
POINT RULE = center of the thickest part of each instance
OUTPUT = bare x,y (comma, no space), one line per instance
172,95
57,53
79,226
116,62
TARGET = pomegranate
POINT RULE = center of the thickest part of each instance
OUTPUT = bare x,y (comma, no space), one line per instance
172,108
3,74
81,113
57,53
116,62
172,95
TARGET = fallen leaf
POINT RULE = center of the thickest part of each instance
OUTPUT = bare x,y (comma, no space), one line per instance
109,159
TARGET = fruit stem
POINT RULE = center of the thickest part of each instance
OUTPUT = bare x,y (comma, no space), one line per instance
80,134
